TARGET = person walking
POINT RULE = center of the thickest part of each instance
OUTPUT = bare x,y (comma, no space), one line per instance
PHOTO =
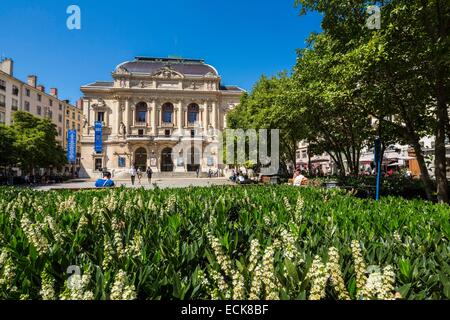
149,175
197,171
132,174
139,175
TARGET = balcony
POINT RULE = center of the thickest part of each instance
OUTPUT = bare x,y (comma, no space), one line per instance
167,125
194,125
139,138
140,125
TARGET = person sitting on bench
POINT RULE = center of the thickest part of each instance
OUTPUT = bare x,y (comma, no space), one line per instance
106,182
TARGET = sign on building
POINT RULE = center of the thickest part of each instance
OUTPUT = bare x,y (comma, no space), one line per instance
72,146
98,137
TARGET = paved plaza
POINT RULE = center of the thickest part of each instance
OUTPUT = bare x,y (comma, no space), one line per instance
159,182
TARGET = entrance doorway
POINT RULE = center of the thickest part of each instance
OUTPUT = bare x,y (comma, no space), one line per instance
166,160
140,159
193,158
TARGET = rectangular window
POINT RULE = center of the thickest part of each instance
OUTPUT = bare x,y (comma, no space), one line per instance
60,107
39,97
60,119
39,110
2,85
101,116
15,90
14,105
2,100
50,102
67,124
73,115
78,127
167,117
192,117
2,117
50,114
140,132
167,133
98,164
304,154
121,162
59,131
79,117
27,106
73,125
142,116
27,92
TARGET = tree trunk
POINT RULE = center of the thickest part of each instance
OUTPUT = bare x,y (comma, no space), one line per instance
424,175
309,161
440,150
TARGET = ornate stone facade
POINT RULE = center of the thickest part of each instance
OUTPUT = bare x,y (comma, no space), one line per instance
151,108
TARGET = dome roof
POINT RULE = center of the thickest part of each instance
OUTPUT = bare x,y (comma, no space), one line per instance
149,65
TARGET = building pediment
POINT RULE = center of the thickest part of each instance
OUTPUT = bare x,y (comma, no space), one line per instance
167,72
210,75
121,71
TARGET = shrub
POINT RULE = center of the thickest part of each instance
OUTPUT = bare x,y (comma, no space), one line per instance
255,242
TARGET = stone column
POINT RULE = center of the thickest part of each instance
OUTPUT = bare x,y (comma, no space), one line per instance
158,116
180,116
200,119
133,114
207,116
89,118
127,113
118,117
154,117
175,113
214,115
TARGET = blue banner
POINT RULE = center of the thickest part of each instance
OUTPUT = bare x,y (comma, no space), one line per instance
72,146
98,137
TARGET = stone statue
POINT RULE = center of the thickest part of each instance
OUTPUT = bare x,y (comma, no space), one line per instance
122,129
101,102
85,122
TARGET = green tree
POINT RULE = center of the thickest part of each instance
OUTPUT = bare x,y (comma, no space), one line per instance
403,68
272,104
7,146
36,142
333,112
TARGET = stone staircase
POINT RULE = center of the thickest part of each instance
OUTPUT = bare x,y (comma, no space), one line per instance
124,175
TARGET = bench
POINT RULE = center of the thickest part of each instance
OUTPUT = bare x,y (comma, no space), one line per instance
265,180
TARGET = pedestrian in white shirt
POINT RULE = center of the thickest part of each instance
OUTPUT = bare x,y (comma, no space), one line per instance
299,179
133,175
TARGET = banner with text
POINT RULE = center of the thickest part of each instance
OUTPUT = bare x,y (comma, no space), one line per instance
72,146
98,137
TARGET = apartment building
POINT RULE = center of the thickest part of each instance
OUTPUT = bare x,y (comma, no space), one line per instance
30,96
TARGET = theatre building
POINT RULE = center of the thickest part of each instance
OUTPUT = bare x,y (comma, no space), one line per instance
163,113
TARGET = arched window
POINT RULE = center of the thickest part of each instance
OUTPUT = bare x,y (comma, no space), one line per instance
141,112
167,112
193,111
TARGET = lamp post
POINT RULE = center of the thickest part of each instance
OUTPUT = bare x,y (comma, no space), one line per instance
378,160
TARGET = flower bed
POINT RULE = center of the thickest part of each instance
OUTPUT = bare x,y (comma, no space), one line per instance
254,242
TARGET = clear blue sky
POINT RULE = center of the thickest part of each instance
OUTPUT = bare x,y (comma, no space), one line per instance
243,39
